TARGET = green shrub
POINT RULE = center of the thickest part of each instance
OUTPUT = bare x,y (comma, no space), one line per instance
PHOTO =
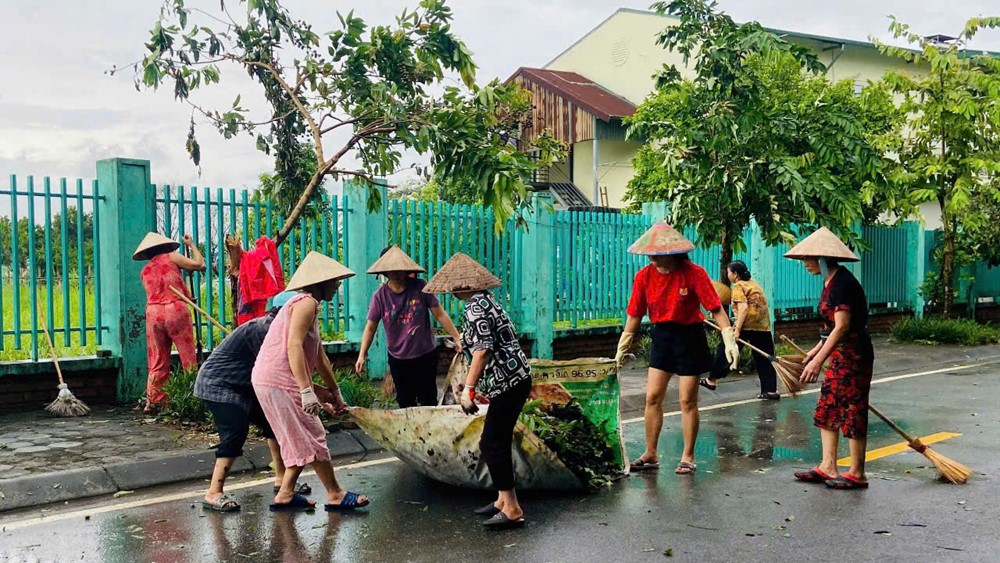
182,405
358,390
944,331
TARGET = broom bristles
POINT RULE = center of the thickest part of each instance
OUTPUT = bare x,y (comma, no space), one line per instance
789,372
66,404
947,467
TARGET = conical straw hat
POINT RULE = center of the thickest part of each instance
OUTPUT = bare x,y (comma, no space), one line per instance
822,244
317,268
395,260
154,241
725,294
661,240
461,273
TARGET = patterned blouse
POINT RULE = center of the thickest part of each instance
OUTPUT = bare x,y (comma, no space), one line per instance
487,327
758,317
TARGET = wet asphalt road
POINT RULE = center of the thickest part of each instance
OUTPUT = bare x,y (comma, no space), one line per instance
742,504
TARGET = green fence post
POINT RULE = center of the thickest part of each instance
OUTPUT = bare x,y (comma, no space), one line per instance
916,266
762,267
367,238
127,208
538,260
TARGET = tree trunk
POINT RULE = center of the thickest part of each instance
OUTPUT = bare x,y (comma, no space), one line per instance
947,268
725,256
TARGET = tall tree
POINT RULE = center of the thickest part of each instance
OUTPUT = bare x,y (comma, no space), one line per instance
756,134
949,153
367,93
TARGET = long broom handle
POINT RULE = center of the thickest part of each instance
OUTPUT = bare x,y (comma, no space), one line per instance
891,424
52,350
770,357
185,298
792,343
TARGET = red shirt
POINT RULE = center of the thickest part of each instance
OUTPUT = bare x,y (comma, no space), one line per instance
157,276
673,297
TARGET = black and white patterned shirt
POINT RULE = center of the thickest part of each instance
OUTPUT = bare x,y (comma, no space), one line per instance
225,375
487,327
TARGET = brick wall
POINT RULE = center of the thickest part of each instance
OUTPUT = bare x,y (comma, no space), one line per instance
808,330
30,391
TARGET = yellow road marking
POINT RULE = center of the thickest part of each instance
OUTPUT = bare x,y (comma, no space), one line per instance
898,448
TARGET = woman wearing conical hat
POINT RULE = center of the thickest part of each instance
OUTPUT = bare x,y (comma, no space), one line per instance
499,370
844,341
282,381
672,290
168,320
405,311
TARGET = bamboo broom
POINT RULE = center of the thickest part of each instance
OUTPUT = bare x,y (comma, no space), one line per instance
66,404
947,467
187,300
789,369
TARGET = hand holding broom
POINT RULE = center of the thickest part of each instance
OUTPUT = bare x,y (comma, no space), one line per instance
788,369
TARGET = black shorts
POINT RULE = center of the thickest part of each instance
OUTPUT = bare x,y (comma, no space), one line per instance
680,349
234,425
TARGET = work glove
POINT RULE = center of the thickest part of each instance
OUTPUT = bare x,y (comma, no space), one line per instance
310,403
624,344
732,351
467,400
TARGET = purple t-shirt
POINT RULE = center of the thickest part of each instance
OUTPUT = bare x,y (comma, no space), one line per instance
406,318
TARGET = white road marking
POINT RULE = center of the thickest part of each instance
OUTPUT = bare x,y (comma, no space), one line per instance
198,494
815,390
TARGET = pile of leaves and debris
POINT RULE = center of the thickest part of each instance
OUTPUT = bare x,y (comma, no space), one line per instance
577,441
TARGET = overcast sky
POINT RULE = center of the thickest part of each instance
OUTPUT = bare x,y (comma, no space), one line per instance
59,112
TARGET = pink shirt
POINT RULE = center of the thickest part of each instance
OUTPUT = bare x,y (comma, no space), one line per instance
272,368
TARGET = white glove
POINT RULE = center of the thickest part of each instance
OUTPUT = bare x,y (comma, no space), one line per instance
732,352
467,400
310,403
624,344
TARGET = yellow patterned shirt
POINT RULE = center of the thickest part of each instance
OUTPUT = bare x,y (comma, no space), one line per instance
750,293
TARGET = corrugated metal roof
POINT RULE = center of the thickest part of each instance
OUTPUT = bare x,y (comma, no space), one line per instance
581,90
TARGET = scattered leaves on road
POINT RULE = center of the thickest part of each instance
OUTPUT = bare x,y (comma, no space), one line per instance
883,533
669,552
120,494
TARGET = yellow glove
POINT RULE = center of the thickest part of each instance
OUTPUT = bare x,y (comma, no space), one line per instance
729,341
624,344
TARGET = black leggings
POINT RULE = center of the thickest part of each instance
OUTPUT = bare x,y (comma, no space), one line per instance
415,380
765,371
234,424
498,434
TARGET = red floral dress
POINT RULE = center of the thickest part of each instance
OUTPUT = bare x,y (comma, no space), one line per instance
168,321
843,399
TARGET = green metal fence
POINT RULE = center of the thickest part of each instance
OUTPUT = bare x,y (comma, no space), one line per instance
593,272
48,266
431,233
209,215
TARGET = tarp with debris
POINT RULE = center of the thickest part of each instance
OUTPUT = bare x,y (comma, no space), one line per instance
443,442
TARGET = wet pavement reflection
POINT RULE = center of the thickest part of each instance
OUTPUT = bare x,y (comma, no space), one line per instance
742,504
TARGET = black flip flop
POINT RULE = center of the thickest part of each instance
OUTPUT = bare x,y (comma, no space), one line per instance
298,502
703,381
302,489
769,396
500,521
488,510
643,465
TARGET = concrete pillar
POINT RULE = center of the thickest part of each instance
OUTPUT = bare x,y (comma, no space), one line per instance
127,207
538,304
365,237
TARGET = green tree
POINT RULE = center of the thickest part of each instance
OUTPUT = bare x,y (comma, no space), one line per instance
365,92
949,153
758,133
